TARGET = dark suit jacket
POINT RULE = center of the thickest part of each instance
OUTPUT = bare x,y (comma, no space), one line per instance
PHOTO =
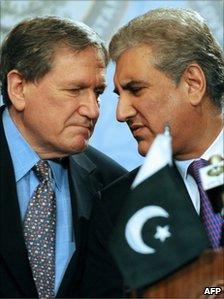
88,172
102,278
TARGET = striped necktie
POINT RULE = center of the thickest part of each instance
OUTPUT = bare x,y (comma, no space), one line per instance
212,222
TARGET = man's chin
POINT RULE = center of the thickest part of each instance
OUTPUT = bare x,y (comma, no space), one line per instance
143,148
81,147
79,144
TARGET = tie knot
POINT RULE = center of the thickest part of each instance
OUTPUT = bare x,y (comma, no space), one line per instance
194,167
42,170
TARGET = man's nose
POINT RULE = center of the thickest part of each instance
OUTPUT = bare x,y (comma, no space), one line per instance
90,107
125,109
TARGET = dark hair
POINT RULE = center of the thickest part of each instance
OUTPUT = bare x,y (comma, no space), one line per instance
178,37
30,47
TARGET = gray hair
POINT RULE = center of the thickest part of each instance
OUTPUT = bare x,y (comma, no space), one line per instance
30,47
178,37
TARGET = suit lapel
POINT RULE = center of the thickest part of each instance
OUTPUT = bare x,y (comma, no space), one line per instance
12,245
84,179
83,185
180,183
106,216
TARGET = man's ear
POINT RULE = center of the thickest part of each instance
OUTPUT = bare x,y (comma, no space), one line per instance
196,83
15,83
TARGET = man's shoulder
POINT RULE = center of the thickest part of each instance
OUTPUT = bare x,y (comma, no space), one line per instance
101,159
92,158
105,168
121,186
113,196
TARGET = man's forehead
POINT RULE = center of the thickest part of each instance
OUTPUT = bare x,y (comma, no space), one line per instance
139,51
87,55
130,77
134,65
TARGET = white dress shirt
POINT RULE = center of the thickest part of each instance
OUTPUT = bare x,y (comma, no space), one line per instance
216,148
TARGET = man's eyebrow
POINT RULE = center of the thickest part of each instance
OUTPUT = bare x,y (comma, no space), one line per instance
101,86
130,85
80,84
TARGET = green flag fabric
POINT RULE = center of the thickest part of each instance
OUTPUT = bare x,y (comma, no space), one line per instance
158,230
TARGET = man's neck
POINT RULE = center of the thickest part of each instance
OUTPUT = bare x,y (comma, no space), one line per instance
209,130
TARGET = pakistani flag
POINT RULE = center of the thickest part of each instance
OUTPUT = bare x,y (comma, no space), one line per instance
158,230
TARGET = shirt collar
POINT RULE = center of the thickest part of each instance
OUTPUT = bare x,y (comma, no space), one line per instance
214,149
22,154
57,171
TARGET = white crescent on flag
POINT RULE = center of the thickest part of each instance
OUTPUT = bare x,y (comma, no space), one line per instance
133,229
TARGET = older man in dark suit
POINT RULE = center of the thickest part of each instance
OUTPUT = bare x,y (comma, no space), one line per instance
52,74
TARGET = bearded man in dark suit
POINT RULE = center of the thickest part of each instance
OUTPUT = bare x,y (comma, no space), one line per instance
169,69
52,74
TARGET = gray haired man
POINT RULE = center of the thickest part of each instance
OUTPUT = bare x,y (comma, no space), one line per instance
52,74
169,69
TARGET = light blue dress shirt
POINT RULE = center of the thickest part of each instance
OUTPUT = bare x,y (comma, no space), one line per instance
24,158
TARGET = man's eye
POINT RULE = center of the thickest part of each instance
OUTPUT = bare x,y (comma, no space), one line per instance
74,90
136,91
98,93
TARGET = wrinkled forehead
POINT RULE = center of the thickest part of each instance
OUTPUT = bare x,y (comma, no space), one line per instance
90,53
89,59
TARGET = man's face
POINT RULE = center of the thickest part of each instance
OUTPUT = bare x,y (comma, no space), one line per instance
148,100
61,109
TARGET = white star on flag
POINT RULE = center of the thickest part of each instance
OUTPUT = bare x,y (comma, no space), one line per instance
162,233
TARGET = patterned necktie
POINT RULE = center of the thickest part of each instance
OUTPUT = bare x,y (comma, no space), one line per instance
39,231
212,222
